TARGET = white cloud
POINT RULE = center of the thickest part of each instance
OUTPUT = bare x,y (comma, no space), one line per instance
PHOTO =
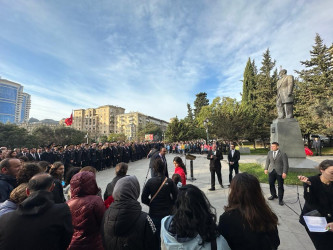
149,56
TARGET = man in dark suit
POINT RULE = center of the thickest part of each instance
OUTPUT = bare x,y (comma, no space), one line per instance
215,156
233,158
33,156
277,168
160,155
47,156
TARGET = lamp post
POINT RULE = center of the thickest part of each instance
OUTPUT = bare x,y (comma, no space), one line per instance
206,127
132,131
86,136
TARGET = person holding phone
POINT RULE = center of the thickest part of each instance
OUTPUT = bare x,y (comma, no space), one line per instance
318,195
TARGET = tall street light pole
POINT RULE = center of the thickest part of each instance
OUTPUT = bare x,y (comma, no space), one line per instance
206,126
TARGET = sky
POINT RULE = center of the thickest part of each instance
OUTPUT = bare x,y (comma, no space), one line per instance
149,56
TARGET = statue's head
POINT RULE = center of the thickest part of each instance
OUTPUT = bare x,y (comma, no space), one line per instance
283,72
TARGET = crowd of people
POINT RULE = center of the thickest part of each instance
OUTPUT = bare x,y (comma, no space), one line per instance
42,207
97,155
196,146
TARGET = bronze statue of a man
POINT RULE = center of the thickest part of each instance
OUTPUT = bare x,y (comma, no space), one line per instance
285,100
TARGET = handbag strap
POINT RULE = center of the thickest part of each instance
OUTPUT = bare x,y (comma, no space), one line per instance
158,190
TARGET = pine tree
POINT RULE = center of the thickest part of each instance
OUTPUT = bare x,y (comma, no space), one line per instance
200,102
248,84
315,90
189,117
265,96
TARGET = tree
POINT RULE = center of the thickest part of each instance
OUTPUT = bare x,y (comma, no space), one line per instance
12,136
314,91
103,139
200,102
226,119
249,84
265,97
43,135
113,137
177,130
150,128
68,136
189,116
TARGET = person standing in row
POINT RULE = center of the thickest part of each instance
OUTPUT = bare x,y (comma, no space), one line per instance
215,156
276,167
233,158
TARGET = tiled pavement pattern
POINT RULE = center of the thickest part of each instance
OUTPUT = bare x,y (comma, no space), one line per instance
292,234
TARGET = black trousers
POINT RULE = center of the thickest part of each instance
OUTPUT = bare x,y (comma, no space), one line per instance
272,177
231,168
216,170
321,241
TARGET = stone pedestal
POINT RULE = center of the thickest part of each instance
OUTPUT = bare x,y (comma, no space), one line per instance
288,134
244,150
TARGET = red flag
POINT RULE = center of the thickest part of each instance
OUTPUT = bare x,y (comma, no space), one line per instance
69,120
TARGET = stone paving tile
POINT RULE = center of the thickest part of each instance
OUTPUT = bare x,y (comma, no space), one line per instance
292,234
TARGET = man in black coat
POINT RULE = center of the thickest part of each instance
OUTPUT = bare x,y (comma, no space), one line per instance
93,155
47,156
159,155
233,158
38,223
215,156
33,156
9,169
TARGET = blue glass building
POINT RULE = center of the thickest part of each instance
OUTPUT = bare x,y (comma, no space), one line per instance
14,103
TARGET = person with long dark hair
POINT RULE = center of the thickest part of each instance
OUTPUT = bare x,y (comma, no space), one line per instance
160,194
57,170
318,195
180,169
248,222
193,225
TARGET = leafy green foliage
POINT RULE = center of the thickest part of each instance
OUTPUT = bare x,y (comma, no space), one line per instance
13,136
113,137
200,102
314,91
150,128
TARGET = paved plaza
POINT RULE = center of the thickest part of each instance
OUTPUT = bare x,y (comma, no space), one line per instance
292,234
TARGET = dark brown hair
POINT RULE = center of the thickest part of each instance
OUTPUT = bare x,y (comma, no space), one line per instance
121,169
89,169
53,170
246,196
325,164
27,172
180,163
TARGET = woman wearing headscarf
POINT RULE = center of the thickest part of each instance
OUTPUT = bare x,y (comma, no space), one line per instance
125,225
